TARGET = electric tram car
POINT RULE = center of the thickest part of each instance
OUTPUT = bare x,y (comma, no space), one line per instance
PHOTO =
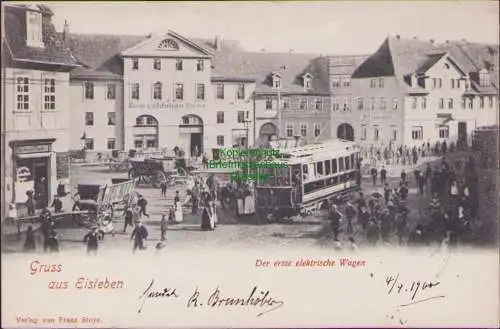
314,174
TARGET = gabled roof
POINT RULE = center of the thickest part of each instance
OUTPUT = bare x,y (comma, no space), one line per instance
54,51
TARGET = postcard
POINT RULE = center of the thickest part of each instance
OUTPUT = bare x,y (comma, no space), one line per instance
250,164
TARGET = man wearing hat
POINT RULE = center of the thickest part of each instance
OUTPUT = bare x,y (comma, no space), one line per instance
92,240
139,235
335,218
57,204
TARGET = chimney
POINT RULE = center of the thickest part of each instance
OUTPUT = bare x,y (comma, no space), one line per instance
65,30
398,36
447,41
218,42
431,41
415,38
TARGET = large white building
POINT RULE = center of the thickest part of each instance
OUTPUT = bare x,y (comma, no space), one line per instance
35,105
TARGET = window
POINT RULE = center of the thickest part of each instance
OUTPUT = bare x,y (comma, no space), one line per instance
22,93
346,83
347,162
417,132
138,144
450,103
363,132
394,103
372,103
157,64
135,91
334,166
89,118
302,103
220,117
269,103
285,103
336,83
347,104
463,102
135,63
276,82
303,130
151,143
458,83
376,133
318,104
111,143
328,167
341,164
289,130
220,91
484,78
111,91
179,91
319,168
441,103
452,83
336,104
200,91
307,83
481,102
373,83
111,118
157,90
89,143
89,90
360,103
414,103
394,133
49,94
424,102
383,103
240,92
490,101
317,129
381,82
200,65
241,116
220,140
444,132
471,103
178,64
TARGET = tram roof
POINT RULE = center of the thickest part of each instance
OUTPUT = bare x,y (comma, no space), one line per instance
312,149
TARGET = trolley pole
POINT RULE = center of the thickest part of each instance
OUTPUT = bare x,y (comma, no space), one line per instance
280,135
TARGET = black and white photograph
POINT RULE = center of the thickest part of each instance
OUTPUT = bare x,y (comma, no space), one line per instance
149,129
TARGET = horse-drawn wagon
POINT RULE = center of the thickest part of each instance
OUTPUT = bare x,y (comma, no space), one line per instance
156,170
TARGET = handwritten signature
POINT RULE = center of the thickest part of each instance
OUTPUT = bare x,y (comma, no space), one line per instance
413,289
258,298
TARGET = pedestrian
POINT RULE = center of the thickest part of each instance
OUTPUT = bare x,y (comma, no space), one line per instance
92,240
385,225
387,192
417,237
76,202
139,235
163,188
350,213
335,219
179,215
403,191
163,227
383,175
403,176
53,242
206,222
373,173
30,203
57,204
401,227
204,161
129,218
195,197
373,232
364,217
361,202
29,243
351,244
421,182
435,204
142,203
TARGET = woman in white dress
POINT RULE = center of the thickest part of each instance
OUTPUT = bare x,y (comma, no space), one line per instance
240,199
213,219
250,200
178,208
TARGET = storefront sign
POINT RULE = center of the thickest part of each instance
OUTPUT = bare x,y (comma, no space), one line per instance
27,149
165,106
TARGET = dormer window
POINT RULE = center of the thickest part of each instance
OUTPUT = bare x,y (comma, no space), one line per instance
484,78
168,44
307,81
276,81
34,29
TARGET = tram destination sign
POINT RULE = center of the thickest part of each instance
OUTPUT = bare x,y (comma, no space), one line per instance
165,105
28,149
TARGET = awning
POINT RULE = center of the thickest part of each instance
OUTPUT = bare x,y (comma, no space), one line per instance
33,155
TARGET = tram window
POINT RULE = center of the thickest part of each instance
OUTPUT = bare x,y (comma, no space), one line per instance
314,186
353,161
312,171
327,167
305,171
347,163
319,168
334,166
341,164
283,176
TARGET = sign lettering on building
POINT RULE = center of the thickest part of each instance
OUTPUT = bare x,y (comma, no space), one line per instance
165,106
28,149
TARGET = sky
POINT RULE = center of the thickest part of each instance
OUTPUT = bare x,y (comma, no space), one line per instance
328,27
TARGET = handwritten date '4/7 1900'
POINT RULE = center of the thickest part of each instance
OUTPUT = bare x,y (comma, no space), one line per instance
255,298
412,290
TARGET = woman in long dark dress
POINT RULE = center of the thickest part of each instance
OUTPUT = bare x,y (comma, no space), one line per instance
206,224
29,244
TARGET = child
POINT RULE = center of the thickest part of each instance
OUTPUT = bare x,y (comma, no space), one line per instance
163,227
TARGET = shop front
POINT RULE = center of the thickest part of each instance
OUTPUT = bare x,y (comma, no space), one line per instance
34,168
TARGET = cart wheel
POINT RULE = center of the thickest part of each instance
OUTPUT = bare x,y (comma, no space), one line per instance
158,178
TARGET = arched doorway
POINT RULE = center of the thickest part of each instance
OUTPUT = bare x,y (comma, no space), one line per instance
267,131
191,134
146,132
345,131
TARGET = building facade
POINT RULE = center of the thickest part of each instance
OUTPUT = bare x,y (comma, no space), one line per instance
36,106
412,92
